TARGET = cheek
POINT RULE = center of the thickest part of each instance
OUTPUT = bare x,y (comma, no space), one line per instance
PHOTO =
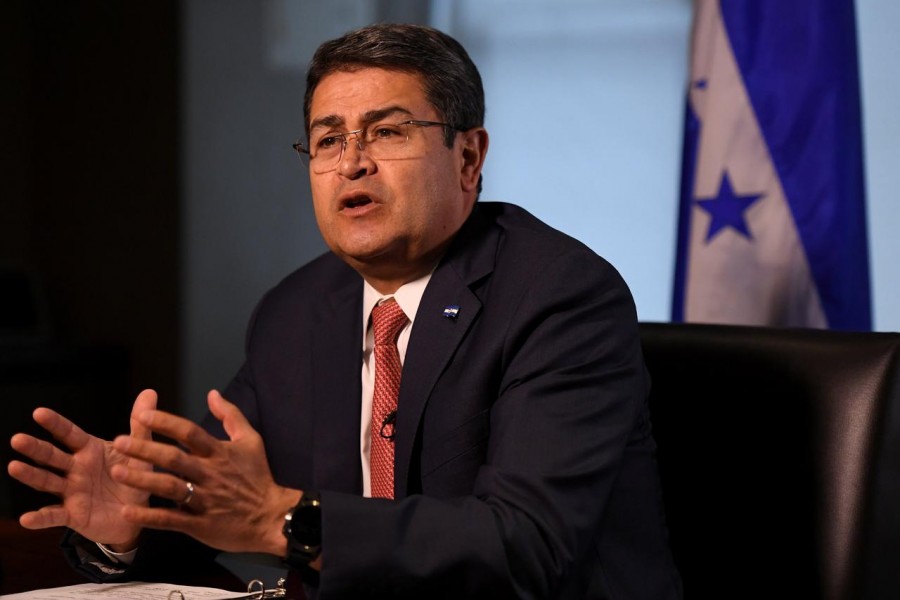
320,196
323,216
439,216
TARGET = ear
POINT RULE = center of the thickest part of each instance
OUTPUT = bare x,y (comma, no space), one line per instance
474,149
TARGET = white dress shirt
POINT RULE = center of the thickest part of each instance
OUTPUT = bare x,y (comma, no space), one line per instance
408,296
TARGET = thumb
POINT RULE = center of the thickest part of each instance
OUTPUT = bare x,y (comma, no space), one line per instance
233,420
145,401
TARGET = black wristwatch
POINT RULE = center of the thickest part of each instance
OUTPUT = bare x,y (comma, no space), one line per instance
303,530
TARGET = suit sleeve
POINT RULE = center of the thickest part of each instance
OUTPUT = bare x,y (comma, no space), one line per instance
571,402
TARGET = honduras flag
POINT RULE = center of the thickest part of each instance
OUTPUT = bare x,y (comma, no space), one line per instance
772,221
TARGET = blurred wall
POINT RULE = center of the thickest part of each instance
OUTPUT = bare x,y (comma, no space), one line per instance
89,201
248,218
585,102
149,183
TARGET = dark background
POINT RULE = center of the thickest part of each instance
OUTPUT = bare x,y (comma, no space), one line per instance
100,294
89,212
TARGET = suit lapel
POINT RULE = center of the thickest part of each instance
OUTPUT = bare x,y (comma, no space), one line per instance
435,337
336,388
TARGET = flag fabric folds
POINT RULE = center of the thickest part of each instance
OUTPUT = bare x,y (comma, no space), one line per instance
772,221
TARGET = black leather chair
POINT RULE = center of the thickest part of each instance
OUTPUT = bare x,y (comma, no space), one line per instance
779,454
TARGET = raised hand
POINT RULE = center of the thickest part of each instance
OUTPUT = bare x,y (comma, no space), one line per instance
91,501
234,503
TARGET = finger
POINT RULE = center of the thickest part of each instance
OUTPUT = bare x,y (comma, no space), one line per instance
61,428
162,485
179,429
49,516
41,451
145,401
38,479
165,456
161,518
233,420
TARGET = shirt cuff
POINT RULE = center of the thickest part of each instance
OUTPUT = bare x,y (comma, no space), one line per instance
125,558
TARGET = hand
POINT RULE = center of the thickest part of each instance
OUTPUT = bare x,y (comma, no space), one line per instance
236,504
92,501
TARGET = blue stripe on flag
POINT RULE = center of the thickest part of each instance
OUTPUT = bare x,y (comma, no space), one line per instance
688,166
798,62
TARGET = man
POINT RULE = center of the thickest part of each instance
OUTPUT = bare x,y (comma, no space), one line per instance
516,458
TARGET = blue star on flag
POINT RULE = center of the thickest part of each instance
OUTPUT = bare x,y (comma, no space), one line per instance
727,210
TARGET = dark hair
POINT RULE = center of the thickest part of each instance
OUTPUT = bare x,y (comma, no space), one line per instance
451,80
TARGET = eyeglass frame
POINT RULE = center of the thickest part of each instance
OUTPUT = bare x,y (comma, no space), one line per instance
306,156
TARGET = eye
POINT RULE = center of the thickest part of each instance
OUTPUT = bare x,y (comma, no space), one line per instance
386,132
328,141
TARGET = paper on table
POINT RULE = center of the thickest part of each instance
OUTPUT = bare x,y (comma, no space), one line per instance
125,591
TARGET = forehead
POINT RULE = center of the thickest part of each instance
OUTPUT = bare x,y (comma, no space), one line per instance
348,95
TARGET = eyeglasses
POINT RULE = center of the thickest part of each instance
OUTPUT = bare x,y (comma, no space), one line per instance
381,141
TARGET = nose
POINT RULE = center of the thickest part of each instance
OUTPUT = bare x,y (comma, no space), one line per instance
354,162
357,136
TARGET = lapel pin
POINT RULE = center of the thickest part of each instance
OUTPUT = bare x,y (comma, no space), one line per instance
451,311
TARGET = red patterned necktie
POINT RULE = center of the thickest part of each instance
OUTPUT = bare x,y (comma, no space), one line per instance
387,321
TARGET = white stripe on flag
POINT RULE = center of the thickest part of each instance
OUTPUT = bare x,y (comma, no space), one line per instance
759,275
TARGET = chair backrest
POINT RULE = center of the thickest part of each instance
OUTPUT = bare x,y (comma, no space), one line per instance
779,453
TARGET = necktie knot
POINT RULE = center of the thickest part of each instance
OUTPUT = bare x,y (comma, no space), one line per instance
387,321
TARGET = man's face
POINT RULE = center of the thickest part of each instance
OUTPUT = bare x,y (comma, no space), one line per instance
390,219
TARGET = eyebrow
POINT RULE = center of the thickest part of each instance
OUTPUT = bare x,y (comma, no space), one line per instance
368,117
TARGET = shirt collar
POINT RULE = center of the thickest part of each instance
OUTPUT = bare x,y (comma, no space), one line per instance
408,296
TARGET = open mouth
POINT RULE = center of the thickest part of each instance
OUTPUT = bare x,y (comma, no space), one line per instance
357,201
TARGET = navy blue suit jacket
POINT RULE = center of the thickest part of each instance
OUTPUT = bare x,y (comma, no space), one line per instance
524,459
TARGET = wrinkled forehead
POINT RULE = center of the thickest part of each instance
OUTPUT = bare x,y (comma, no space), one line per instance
353,98
369,117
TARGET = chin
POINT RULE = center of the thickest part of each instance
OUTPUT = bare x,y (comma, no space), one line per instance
362,254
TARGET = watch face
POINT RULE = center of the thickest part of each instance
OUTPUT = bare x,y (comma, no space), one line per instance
306,523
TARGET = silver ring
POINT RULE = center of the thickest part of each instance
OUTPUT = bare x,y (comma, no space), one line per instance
190,493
